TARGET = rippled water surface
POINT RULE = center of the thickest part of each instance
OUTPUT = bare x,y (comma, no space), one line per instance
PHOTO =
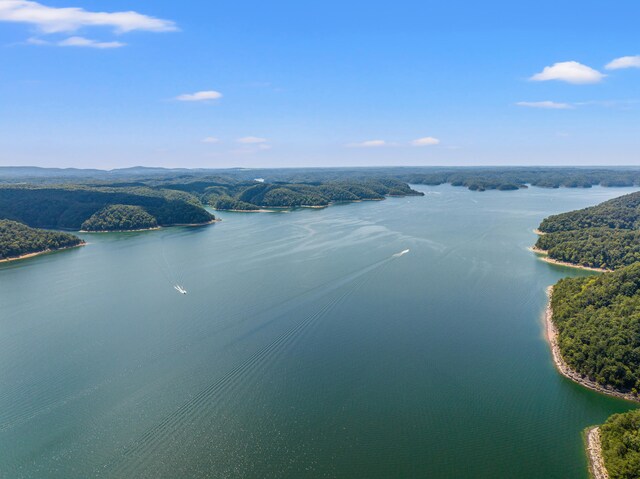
303,348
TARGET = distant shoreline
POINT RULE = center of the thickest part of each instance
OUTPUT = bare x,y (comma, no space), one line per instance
38,253
551,334
543,255
277,209
594,453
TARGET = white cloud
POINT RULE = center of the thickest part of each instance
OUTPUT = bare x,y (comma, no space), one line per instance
368,144
200,96
88,43
624,62
56,20
426,141
210,139
251,140
570,72
549,105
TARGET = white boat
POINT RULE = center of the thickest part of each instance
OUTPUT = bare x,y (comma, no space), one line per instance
180,289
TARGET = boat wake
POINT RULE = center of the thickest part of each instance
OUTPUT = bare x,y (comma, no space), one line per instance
401,253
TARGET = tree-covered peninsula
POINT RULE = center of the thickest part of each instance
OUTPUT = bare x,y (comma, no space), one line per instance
120,218
18,240
603,236
598,323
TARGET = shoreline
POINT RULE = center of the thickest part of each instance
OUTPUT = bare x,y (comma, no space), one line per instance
538,232
543,255
151,229
593,446
38,253
551,334
279,209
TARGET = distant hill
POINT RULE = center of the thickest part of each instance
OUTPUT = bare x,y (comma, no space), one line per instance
474,178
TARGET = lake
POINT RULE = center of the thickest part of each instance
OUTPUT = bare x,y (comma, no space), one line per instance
303,348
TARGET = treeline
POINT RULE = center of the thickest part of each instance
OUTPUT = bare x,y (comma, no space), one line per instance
69,206
257,195
602,236
17,239
478,179
593,247
120,218
620,439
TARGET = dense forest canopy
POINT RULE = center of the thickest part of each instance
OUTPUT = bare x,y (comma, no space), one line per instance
598,321
17,239
602,236
257,195
593,247
120,218
621,213
620,439
69,206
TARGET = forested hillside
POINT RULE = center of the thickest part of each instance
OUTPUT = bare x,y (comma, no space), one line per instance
17,239
603,236
229,195
120,218
69,206
598,321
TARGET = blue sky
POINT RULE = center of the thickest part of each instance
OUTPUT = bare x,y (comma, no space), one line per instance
260,84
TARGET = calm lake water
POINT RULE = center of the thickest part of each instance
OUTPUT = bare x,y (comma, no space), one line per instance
303,347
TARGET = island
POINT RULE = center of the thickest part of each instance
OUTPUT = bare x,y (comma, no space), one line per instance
18,241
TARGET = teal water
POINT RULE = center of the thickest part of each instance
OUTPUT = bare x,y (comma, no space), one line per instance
303,349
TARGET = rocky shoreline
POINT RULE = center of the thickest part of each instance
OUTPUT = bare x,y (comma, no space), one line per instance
594,453
564,369
38,253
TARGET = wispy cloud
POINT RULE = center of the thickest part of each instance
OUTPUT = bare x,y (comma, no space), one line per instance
368,144
207,95
58,20
251,140
88,43
75,42
624,62
548,105
210,139
570,72
426,141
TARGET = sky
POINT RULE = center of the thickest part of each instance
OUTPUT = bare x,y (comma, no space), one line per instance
212,84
